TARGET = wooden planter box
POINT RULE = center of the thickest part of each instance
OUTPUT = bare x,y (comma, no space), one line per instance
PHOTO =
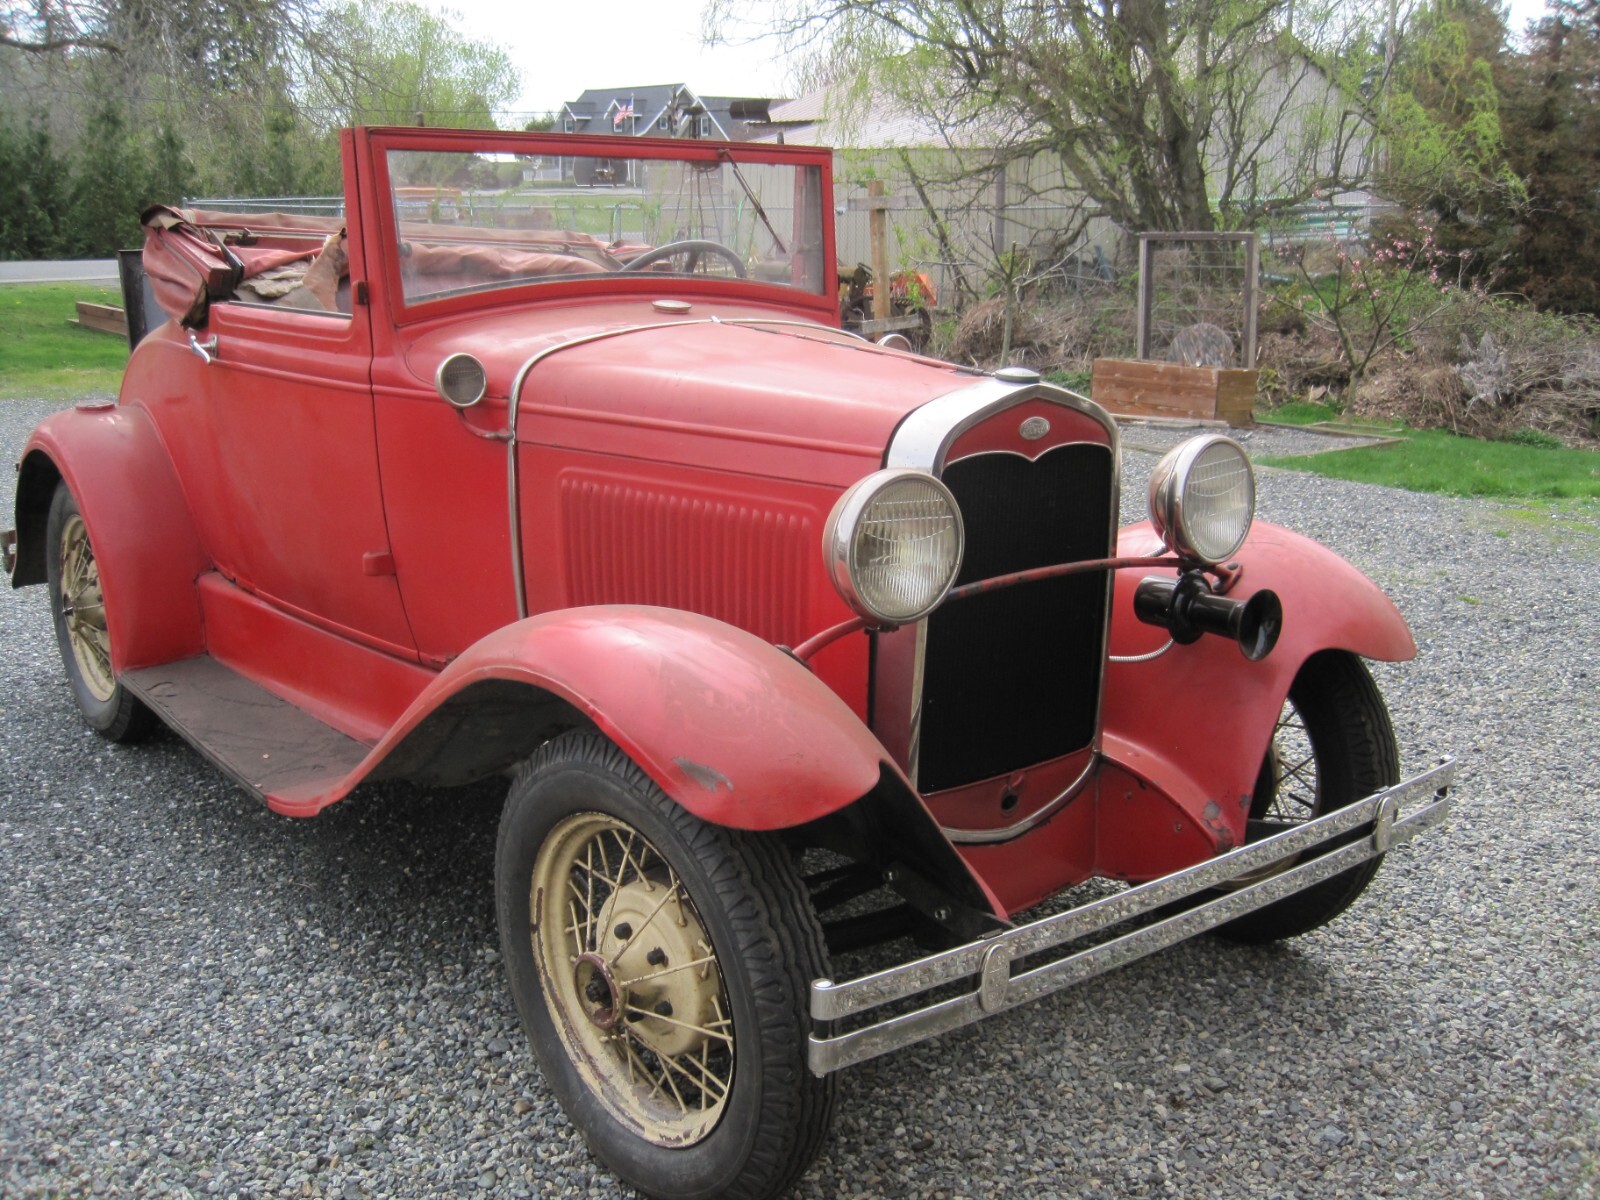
1132,388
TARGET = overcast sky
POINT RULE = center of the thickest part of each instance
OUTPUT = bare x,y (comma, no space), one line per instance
565,47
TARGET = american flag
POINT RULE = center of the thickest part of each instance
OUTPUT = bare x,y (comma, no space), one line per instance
624,113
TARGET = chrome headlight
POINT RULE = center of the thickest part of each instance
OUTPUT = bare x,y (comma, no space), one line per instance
1203,498
893,545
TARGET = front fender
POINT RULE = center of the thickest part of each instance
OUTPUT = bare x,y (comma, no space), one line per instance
144,539
1195,722
731,728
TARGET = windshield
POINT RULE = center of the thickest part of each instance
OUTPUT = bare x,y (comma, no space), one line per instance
478,221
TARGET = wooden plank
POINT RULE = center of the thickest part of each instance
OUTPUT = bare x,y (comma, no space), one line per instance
887,325
105,318
1128,387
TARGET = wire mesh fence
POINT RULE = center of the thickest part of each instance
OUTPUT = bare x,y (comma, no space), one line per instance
1197,298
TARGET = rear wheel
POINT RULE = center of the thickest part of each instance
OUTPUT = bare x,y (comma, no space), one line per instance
661,968
1333,745
78,610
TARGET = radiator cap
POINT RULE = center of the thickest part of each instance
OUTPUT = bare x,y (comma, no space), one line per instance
1017,375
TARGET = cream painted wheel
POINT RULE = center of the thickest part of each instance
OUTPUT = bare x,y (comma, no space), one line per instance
661,966
78,610
83,609
632,979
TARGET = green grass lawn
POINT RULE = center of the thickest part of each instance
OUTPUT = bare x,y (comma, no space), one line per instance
43,355
1431,460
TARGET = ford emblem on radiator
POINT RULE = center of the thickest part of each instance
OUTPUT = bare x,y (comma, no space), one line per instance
1033,429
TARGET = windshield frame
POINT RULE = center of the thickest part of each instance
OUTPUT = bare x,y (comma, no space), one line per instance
379,142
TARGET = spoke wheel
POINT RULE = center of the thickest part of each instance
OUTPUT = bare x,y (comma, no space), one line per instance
1332,745
661,967
78,609
633,979
83,609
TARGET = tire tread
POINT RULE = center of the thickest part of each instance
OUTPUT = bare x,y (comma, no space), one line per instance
780,945
1361,757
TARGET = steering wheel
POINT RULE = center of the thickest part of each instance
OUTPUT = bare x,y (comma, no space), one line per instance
693,248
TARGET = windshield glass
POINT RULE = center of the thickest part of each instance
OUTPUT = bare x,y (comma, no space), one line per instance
477,221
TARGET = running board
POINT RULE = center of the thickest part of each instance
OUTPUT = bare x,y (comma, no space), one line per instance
261,740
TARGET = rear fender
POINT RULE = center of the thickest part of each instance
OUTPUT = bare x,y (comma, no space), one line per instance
144,540
1195,722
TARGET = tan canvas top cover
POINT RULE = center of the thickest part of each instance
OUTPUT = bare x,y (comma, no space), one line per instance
188,266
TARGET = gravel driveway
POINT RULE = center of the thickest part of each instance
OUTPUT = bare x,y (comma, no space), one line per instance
200,998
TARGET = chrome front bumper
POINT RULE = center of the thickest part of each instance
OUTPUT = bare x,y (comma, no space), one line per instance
987,964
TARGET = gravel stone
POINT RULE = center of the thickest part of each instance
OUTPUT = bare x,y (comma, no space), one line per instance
203,999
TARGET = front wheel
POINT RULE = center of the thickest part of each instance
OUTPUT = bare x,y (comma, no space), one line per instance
1333,745
78,610
661,968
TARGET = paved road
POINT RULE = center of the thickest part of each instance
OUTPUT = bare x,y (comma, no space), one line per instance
83,270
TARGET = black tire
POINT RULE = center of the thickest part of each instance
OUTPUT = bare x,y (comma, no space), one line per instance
762,1116
1347,745
107,705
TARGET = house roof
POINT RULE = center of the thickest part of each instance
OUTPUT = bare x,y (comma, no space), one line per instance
833,117
652,105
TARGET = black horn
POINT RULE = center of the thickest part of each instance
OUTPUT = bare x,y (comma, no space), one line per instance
1187,608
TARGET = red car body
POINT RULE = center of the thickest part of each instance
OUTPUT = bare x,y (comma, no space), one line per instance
623,534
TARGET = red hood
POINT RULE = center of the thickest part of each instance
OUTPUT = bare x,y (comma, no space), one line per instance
797,400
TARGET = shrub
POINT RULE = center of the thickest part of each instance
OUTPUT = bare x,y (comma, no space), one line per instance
1537,438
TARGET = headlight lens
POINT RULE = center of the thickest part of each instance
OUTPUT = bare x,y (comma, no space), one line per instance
893,545
1203,498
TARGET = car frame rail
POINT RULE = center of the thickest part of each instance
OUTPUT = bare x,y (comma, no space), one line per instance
989,960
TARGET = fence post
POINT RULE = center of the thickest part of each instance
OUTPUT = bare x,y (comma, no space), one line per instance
879,224
1146,294
1252,306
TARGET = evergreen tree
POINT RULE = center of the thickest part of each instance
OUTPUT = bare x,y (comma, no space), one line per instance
171,176
109,185
33,192
1553,135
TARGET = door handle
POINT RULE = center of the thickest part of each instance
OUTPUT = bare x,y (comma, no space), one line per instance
207,350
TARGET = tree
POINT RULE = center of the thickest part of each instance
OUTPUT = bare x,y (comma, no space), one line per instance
33,190
1552,118
1440,124
401,61
1169,114
203,37
108,187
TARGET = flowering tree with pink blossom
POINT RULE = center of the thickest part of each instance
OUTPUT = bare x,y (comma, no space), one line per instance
1379,293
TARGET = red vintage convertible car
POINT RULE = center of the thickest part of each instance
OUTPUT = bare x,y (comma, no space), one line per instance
789,643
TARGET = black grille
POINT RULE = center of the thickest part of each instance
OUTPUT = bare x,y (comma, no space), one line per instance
1012,678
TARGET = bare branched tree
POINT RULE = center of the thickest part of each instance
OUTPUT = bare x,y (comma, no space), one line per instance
1168,114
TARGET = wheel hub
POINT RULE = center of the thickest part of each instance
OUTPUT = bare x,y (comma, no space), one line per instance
649,940
603,999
